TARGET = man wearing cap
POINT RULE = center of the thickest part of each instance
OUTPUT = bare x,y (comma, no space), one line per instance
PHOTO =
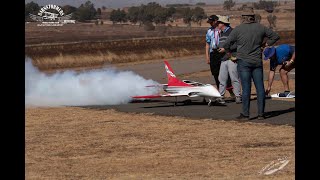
228,66
212,55
283,55
249,36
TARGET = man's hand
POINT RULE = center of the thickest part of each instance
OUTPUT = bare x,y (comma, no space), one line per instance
287,63
208,61
221,50
268,91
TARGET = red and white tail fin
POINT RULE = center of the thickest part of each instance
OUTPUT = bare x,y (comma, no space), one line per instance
172,79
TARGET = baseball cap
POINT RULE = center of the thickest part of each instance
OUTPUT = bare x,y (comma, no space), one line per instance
269,52
212,18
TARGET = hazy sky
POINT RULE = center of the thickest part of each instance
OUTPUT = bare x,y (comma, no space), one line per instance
125,3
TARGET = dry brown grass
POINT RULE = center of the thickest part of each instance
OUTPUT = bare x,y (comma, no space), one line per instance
78,143
90,60
71,55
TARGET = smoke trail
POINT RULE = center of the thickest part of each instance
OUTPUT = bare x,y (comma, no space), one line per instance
97,87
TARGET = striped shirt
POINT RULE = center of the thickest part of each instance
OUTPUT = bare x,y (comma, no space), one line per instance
212,38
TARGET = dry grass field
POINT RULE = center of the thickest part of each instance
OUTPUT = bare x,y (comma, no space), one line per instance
79,143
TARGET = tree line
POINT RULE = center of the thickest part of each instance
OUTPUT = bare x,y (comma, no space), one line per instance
143,14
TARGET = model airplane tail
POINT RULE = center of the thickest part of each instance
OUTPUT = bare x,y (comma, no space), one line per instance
172,79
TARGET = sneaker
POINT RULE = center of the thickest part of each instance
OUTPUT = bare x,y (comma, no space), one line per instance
238,99
221,100
243,117
284,94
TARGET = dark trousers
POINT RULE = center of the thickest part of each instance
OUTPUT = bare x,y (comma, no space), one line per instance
248,71
215,68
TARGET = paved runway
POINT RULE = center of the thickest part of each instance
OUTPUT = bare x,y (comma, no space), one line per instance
278,112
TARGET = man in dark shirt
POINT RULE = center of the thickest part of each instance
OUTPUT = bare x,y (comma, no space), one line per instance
249,38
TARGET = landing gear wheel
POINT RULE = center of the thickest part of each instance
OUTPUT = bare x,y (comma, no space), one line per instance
204,101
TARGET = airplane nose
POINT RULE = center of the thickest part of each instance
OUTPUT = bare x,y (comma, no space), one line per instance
215,92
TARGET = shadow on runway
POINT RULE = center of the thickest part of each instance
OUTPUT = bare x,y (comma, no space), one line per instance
184,103
147,101
271,114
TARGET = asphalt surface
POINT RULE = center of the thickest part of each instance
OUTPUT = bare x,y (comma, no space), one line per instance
278,112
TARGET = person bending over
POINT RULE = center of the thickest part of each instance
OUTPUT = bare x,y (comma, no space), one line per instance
284,56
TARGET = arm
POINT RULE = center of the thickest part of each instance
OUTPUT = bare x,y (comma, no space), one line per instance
230,44
292,60
233,47
207,53
208,42
272,36
231,41
273,65
270,81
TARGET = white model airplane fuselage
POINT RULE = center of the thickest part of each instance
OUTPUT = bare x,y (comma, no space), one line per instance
177,87
195,90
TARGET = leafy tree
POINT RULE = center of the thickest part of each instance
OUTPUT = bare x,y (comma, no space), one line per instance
272,19
118,16
148,12
85,12
171,11
152,12
104,8
99,11
262,4
177,5
161,15
228,4
31,8
133,14
198,15
67,9
187,15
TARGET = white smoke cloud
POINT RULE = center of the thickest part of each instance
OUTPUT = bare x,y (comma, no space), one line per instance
96,87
